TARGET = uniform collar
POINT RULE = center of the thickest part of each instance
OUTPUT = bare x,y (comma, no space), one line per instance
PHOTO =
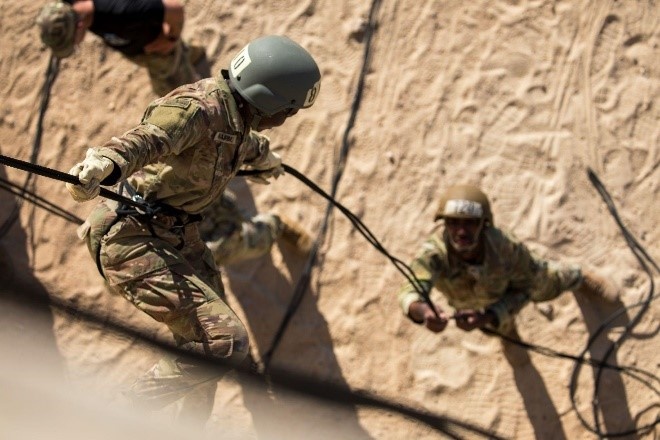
233,114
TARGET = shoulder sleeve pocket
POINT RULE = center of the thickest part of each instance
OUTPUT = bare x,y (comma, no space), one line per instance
172,116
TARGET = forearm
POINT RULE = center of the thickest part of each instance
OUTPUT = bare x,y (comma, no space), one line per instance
408,295
168,128
135,149
173,19
505,309
425,271
258,147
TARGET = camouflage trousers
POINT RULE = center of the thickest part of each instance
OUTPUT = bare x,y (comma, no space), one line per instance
167,271
170,71
233,236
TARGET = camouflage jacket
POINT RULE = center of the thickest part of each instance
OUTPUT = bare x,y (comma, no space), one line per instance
188,146
509,277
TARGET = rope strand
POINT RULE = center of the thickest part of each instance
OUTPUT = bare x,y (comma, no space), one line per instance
50,77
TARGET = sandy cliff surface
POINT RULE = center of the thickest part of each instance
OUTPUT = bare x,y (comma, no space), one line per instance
520,97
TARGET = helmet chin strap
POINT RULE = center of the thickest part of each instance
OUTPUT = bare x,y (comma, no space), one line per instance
254,123
246,109
254,115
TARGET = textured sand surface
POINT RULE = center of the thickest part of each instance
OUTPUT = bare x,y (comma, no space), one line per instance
519,97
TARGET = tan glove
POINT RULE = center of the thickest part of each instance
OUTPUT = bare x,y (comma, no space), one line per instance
90,172
271,167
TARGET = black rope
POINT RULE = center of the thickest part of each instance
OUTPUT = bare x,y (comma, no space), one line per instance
140,204
51,75
402,267
644,260
39,201
640,253
296,382
648,379
40,170
64,177
303,281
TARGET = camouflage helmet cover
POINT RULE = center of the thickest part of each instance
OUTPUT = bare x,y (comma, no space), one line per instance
274,73
57,27
464,201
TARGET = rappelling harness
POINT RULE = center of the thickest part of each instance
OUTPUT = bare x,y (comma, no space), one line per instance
143,211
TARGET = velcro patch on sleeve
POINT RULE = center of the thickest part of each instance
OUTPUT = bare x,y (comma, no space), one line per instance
183,103
172,116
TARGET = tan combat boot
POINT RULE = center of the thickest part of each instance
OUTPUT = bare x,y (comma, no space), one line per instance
597,286
295,235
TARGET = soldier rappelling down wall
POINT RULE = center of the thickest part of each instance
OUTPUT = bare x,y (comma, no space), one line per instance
148,32
485,273
178,160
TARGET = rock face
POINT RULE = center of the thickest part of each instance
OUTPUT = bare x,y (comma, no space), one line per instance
519,97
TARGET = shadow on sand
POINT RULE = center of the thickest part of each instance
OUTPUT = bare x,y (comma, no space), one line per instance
614,414
26,330
264,293
543,415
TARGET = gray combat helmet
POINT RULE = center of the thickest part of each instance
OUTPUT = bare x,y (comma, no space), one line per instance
274,73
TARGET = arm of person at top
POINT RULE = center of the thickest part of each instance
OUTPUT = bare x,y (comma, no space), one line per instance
260,157
173,20
164,131
421,312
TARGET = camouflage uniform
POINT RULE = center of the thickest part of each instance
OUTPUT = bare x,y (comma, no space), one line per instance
233,236
184,152
509,277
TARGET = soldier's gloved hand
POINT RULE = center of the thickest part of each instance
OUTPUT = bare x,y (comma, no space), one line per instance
420,312
90,172
272,161
469,319
270,168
